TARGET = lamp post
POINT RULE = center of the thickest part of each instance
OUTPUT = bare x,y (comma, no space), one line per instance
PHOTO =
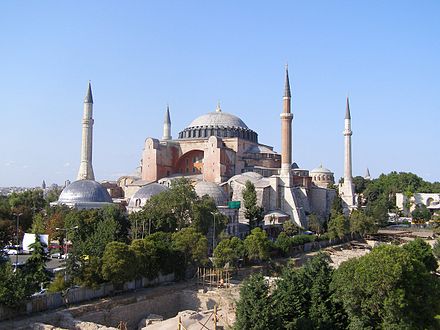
16,234
213,232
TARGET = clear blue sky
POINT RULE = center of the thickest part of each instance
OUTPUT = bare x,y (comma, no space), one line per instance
141,55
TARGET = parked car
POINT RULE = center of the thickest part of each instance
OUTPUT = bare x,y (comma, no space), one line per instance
56,255
10,251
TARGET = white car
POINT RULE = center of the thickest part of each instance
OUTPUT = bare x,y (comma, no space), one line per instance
10,251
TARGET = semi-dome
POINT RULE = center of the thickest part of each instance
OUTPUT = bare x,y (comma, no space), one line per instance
220,124
83,192
212,190
144,194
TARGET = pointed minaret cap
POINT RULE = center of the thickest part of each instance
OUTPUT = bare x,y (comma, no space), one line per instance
367,174
347,110
167,119
287,84
89,97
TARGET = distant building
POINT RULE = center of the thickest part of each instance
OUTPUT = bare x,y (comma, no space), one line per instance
407,205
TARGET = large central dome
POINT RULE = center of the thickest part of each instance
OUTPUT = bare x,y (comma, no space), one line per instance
219,124
218,119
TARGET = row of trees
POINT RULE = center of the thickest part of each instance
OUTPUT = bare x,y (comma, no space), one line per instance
390,288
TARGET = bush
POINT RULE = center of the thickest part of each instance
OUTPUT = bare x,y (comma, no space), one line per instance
283,243
302,239
58,284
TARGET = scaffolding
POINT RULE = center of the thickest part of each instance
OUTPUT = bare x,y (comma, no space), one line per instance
209,278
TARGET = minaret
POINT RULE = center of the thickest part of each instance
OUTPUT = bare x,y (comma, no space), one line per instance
85,168
347,188
286,129
167,125
367,175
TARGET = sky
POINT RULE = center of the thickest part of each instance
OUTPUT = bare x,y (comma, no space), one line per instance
142,55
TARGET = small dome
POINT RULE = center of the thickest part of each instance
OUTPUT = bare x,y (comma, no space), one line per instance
218,119
212,190
84,191
321,169
145,193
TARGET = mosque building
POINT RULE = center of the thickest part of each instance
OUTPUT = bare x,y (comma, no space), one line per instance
219,152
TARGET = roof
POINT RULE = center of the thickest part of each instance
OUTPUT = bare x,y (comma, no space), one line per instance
212,190
84,191
321,169
218,119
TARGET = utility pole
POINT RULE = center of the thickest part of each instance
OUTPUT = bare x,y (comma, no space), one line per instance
213,232
17,242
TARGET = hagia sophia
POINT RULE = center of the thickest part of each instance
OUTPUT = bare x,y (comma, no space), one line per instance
219,153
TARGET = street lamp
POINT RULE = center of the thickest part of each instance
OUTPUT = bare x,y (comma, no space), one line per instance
213,232
17,243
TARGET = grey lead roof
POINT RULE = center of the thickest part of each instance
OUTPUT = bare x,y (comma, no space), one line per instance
347,110
89,97
216,119
84,191
287,84
167,119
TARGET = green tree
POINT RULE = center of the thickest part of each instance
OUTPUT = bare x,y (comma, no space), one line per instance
146,258
283,243
253,212
360,184
38,224
302,298
202,218
387,289
6,232
257,245
13,291
338,227
362,224
291,228
169,259
192,244
118,263
421,213
229,251
253,307
336,208
316,224
35,268
421,251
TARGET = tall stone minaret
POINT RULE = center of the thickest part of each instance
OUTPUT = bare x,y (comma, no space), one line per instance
286,129
347,188
85,168
167,125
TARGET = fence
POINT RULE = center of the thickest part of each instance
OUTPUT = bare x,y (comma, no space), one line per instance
77,295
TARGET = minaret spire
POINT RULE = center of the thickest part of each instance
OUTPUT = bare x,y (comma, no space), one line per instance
286,129
287,83
347,188
167,125
85,168
347,110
